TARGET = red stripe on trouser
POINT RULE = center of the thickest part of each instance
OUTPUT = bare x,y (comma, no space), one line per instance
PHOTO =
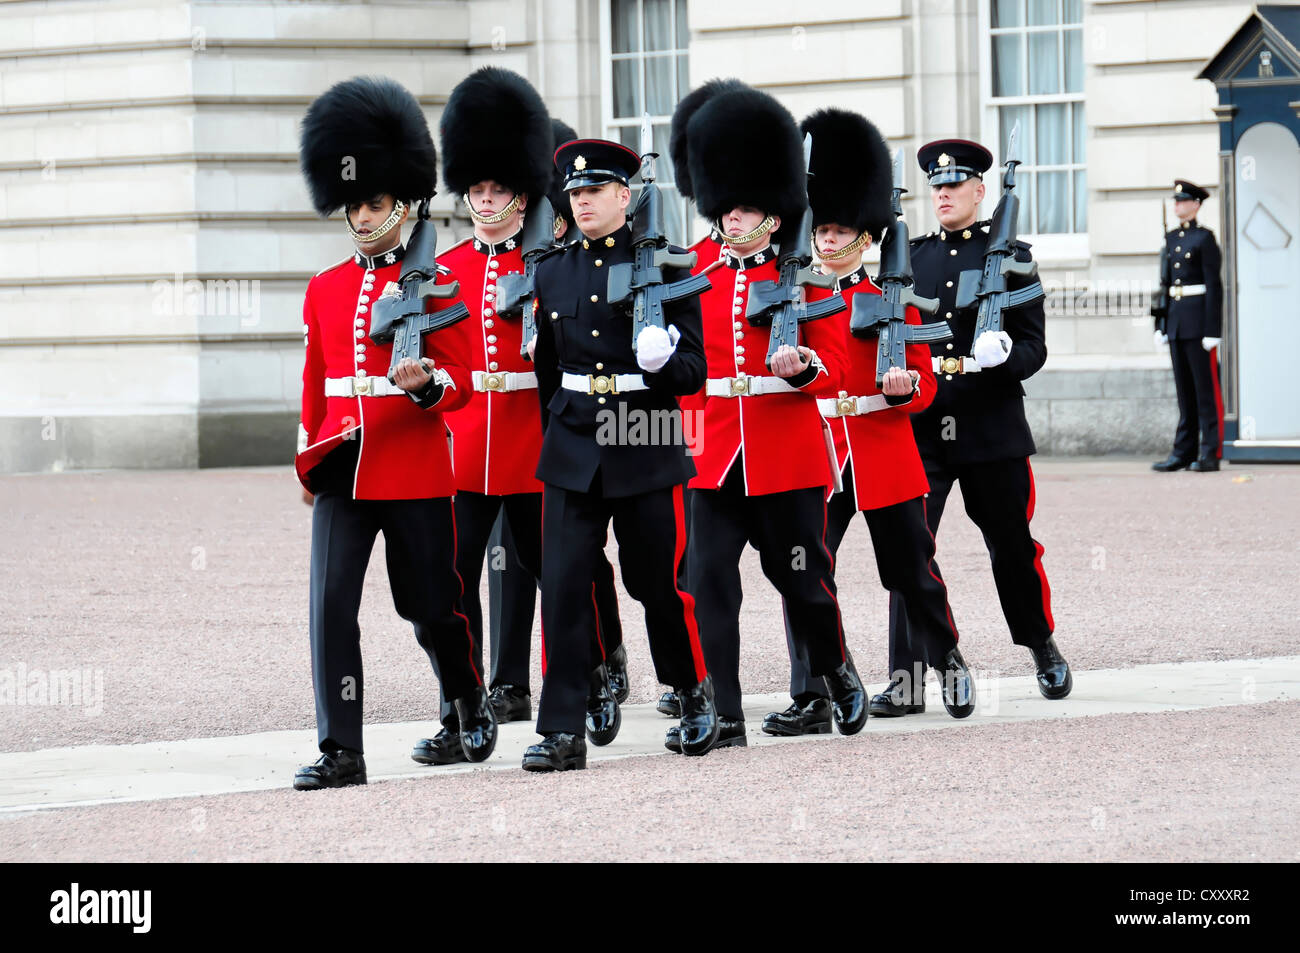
541,552
1218,397
595,614
460,583
839,621
688,601
929,567
1038,553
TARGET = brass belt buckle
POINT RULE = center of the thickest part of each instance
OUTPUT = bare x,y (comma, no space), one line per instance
494,382
740,386
601,385
363,387
1176,293
951,365
846,406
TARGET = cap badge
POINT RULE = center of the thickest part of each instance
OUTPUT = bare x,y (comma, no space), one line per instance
580,163
944,159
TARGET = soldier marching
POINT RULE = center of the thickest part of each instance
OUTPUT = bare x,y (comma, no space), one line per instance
816,402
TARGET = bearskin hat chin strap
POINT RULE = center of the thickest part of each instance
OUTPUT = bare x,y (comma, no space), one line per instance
390,223
758,232
856,245
496,219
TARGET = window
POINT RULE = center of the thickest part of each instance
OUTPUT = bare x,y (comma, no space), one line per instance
1037,80
648,71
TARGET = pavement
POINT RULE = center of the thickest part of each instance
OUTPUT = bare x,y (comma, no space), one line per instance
155,696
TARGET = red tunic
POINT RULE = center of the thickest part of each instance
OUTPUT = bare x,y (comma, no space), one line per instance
887,467
708,250
784,440
498,434
403,451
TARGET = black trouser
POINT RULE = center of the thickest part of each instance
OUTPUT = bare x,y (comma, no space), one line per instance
419,546
1196,381
512,599
904,548
999,498
789,530
651,534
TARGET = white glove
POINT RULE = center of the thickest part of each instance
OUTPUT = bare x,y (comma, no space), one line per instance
1160,339
655,345
1210,343
991,348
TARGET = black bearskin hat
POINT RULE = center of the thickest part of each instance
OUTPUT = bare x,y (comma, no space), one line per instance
495,126
560,198
744,148
687,108
363,137
852,173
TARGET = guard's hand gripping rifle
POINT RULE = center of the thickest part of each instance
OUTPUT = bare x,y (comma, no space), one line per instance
989,287
639,285
782,303
1160,298
515,290
885,315
399,314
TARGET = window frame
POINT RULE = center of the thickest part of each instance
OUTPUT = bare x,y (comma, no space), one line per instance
1058,246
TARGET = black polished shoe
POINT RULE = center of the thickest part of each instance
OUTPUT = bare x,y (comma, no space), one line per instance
511,703
670,705
478,725
1204,465
896,701
616,663
698,730
603,715
958,685
848,698
731,734
811,718
1171,463
333,769
442,748
558,751
1054,678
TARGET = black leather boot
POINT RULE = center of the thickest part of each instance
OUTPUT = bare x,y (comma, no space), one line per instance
670,705
558,751
848,698
511,703
442,748
958,685
603,715
336,768
813,717
478,725
616,663
896,700
1171,463
1054,678
699,724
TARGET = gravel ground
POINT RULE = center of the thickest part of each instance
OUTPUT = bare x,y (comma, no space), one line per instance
186,592
1214,784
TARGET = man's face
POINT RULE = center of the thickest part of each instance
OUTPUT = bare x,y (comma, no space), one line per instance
1186,209
742,220
831,238
600,209
956,204
367,216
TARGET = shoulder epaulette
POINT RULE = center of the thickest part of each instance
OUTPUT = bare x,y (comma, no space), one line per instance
921,238
443,269
456,245
336,264
711,266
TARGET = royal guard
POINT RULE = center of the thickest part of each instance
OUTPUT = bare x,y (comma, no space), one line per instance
881,471
766,461
597,384
372,446
1192,328
974,432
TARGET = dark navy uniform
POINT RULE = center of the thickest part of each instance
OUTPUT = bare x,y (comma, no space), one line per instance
1195,313
975,431
592,480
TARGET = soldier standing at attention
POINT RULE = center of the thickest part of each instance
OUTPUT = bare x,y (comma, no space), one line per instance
374,451
588,373
975,431
1193,329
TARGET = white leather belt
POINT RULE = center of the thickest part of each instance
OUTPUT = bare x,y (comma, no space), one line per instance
955,365
1186,291
504,381
851,406
603,384
361,387
747,386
